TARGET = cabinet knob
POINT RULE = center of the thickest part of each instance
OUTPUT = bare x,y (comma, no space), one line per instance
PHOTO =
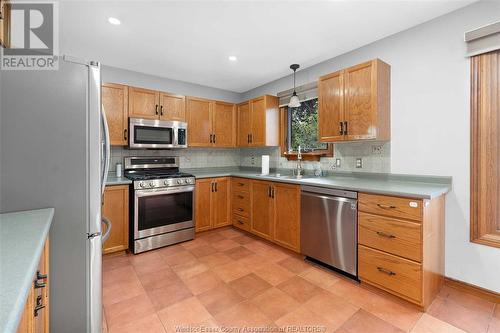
156,109
161,110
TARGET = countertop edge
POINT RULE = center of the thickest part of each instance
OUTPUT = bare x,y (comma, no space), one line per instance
15,314
444,188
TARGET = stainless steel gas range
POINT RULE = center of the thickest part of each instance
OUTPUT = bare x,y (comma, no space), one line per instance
161,208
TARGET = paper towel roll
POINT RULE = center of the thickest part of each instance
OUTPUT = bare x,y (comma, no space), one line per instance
265,164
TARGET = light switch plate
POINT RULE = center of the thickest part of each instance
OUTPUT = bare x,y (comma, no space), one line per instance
338,162
359,163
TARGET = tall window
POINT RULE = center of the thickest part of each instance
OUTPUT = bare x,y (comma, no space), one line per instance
303,127
485,149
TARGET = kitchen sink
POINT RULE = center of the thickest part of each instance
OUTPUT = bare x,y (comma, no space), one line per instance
286,176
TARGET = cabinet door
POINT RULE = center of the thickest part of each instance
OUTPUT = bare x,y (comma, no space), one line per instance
262,209
172,107
203,205
199,118
115,209
258,112
143,103
360,101
115,104
224,124
331,106
221,203
287,215
244,124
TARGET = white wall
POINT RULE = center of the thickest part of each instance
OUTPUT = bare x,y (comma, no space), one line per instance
430,120
118,75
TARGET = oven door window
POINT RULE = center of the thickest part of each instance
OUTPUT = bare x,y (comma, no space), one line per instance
153,135
164,209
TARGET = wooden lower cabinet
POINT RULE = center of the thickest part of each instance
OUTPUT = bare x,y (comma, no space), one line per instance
212,203
275,213
401,246
35,318
116,209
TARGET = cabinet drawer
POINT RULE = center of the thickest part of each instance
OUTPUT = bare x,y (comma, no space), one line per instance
404,208
396,274
241,222
402,238
240,185
241,203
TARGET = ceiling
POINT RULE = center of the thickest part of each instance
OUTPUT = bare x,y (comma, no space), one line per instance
191,40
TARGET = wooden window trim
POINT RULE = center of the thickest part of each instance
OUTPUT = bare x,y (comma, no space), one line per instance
485,90
308,156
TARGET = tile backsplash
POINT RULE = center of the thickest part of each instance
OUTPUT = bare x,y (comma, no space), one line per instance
375,157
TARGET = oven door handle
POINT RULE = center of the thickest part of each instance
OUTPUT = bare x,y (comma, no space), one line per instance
168,190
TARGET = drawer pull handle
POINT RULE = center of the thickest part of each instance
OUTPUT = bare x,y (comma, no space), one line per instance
240,197
40,276
386,206
241,209
385,271
37,308
383,234
39,285
240,222
241,184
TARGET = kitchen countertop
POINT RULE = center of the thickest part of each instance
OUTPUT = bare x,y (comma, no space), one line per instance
424,187
22,238
113,180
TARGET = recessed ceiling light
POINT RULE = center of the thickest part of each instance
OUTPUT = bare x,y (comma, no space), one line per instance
232,58
114,21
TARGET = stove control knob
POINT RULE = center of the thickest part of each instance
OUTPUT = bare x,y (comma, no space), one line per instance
165,182
151,184
141,184
179,181
186,181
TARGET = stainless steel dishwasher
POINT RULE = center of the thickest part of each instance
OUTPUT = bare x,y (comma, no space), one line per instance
328,227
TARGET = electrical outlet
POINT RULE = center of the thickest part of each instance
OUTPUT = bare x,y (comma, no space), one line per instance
377,150
359,162
338,162
252,160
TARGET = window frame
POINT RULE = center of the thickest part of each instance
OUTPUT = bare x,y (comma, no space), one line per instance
284,137
484,229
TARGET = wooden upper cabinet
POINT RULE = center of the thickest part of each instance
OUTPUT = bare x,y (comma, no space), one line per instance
331,106
258,122
244,124
221,202
287,215
224,124
199,119
262,209
172,107
115,104
358,98
115,208
143,103
203,203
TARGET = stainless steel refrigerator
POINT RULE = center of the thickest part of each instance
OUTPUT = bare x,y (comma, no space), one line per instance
52,155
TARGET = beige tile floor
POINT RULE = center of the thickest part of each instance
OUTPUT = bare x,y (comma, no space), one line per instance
226,279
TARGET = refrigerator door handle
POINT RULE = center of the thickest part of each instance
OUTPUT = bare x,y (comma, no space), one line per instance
108,225
106,150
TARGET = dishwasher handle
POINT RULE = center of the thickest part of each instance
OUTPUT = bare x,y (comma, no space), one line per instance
329,192
330,197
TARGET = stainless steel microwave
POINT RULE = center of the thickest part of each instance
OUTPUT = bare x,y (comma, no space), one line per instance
157,134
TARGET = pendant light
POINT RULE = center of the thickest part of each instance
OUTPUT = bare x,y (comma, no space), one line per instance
294,100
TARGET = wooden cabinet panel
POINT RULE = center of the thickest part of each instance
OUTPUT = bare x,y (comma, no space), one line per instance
241,203
396,274
331,106
172,107
240,184
224,124
244,124
398,237
115,209
287,215
221,203
115,104
403,208
143,103
199,118
258,114
35,317
203,204
262,209
241,222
